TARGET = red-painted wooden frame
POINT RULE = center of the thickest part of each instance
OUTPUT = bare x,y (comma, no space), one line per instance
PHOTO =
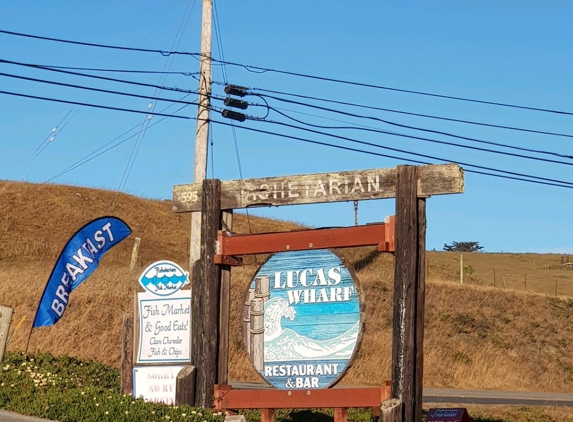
380,234
268,400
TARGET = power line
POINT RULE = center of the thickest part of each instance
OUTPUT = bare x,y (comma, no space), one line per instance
145,124
225,78
408,113
258,69
88,44
387,88
37,66
106,91
506,175
345,138
53,133
360,116
411,137
35,97
100,151
107,70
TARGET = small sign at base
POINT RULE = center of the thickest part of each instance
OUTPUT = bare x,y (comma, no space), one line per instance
459,414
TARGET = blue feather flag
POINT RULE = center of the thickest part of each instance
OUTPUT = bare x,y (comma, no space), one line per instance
78,260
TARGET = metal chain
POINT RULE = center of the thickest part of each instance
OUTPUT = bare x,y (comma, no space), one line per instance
355,213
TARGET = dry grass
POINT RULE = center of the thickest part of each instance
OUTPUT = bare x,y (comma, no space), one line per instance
541,273
477,336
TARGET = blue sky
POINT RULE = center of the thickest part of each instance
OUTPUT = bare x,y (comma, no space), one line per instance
514,52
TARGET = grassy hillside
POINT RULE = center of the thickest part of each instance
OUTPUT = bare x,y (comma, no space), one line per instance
477,335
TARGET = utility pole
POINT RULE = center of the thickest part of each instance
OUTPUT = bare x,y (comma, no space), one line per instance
202,132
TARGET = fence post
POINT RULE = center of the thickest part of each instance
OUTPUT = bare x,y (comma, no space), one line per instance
461,269
5,320
134,253
127,355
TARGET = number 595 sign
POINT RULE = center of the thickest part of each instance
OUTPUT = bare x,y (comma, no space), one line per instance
189,196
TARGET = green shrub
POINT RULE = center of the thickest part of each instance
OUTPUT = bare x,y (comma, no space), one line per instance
69,390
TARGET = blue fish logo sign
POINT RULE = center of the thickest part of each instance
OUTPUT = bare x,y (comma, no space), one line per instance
78,260
163,278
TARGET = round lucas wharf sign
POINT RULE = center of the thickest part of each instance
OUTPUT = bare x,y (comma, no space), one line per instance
302,319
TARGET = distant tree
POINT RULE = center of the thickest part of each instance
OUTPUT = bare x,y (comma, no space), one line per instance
463,247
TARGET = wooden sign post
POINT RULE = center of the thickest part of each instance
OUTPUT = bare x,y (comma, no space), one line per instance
408,184
409,295
206,293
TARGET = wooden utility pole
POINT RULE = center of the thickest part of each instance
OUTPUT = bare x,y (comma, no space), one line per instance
202,132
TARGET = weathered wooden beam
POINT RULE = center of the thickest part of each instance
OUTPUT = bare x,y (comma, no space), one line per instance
205,299
408,286
420,310
356,185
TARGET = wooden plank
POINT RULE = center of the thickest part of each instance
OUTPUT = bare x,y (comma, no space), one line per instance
300,399
127,354
300,240
405,275
318,188
205,299
225,309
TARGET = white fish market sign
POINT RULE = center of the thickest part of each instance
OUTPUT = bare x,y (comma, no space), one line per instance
164,314
302,319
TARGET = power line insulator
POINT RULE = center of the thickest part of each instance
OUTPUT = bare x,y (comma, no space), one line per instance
233,115
239,91
232,102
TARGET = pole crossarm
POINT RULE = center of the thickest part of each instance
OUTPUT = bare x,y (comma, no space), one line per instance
439,179
379,234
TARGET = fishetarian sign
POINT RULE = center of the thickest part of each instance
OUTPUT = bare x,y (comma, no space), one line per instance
324,187
163,278
164,328
302,319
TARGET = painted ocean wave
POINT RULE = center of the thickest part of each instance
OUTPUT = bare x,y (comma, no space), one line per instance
290,345
163,283
286,344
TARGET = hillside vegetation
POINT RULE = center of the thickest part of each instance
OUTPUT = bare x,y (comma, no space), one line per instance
514,335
